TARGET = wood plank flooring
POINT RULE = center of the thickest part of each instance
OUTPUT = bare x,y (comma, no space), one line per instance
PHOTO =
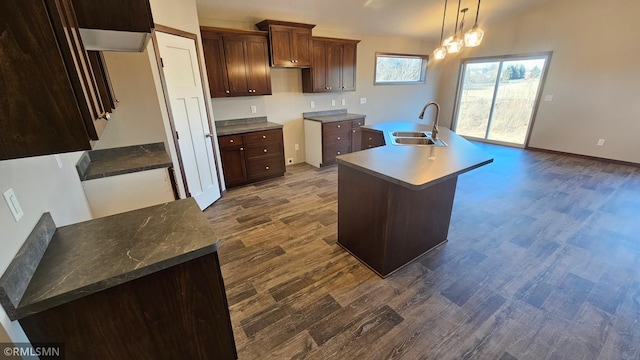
542,262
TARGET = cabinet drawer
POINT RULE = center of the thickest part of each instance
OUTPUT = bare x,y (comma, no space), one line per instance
230,140
263,137
357,123
329,153
371,139
265,167
338,138
335,127
252,151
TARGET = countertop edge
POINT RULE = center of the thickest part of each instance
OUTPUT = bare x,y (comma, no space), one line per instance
126,171
335,118
30,309
243,129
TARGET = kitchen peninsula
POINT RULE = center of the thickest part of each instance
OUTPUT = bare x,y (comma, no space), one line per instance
395,201
143,284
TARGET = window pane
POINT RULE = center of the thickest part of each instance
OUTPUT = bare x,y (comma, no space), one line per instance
400,69
476,98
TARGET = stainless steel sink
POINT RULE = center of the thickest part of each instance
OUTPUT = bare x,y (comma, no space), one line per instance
410,134
415,138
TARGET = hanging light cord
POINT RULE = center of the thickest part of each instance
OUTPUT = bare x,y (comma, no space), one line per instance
455,31
443,17
477,12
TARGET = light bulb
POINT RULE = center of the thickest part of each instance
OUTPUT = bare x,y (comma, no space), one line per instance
447,41
473,37
440,53
455,45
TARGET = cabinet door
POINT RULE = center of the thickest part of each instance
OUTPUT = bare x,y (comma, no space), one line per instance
319,71
281,43
334,66
349,67
257,62
301,49
103,81
356,139
233,165
214,60
236,58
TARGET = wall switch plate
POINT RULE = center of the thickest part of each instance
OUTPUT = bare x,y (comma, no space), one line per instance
313,104
344,102
363,100
297,147
58,161
253,109
14,205
548,98
333,103
600,142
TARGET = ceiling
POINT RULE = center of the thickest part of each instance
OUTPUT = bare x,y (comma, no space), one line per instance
413,18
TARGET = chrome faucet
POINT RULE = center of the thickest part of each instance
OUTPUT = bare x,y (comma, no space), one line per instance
434,132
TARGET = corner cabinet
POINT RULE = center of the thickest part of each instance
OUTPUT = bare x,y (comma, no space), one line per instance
333,67
50,101
237,62
252,156
290,43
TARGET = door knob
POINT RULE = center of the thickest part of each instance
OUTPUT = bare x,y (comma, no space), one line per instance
209,135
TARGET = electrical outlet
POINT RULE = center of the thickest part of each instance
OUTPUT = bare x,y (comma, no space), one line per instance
290,161
600,142
253,109
344,102
297,147
363,100
548,98
14,205
333,103
313,104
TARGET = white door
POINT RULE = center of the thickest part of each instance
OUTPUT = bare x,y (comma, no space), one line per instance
184,87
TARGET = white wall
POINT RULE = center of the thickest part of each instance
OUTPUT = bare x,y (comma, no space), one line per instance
593,74
40,187
286,105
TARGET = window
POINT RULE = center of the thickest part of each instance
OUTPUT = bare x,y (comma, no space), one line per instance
394,69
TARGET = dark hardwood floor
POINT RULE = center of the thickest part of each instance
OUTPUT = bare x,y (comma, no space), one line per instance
542,262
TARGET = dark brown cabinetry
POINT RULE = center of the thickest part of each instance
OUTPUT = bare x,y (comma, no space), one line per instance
50,102
237,62
103,82
326,140
290,43
131,16
371,139
333,67
252,156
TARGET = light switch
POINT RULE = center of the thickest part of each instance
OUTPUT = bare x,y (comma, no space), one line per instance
344,102
333,103
253,109
14,205
363,100
313,104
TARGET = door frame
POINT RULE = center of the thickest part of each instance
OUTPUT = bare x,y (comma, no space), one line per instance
194,37
501,58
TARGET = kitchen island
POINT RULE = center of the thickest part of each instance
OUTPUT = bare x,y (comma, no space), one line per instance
144,284
395,201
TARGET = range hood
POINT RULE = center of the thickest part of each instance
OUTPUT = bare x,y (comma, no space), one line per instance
114,25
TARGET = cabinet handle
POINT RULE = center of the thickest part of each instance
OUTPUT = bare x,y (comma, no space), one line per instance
265,150
105,116
330,88
354,131
370,139
338,137
231,140
266,168
264,136
228,92
338,126
241,149
338,152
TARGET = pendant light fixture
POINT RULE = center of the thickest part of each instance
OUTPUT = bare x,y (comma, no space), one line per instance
456,44
441,51
474,36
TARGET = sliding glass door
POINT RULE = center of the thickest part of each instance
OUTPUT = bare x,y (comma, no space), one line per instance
497,97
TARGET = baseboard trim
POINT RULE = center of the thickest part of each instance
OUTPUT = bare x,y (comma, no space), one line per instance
611,161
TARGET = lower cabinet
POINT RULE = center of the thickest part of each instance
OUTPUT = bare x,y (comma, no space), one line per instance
252,156
371,139
325,141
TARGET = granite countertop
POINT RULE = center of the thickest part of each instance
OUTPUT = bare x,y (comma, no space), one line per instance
241,126
97,164
95,255
332,116
416,167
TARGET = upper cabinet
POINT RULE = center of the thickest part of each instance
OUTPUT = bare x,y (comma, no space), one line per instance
237,62
290,43
333,67
116,25
50,100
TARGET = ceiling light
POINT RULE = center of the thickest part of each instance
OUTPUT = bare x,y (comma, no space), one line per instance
474,36
441,51
457,43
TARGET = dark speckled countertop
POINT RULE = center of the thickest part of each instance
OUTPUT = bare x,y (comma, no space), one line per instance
241,126
332,116
95,255
416,167
102,163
